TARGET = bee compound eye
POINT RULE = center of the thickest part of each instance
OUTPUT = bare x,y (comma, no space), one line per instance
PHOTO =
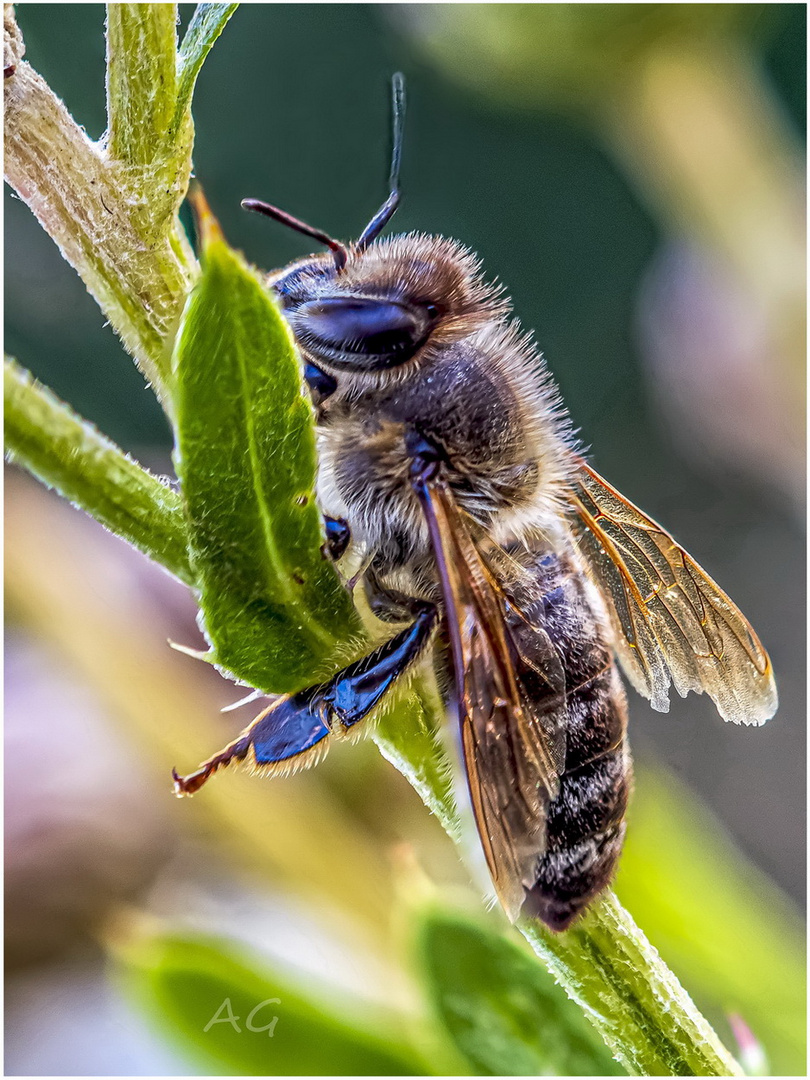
362,333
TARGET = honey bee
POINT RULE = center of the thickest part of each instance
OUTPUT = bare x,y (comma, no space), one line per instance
448,460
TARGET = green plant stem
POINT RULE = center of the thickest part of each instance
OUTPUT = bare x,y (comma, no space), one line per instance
68,454
139,276
141,80
408,736
607,965
149,127
111,206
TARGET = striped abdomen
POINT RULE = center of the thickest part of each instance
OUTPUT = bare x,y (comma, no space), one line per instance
585,823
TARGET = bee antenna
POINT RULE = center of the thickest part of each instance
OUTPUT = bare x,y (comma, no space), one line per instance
338,250
386,211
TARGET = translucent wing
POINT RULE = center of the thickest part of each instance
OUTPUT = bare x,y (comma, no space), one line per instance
672,622
512,745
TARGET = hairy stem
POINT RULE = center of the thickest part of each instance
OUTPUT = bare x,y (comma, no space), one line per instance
607,965
141,80
113,218
68,454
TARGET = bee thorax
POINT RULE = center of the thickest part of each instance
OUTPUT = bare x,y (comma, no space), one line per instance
500,452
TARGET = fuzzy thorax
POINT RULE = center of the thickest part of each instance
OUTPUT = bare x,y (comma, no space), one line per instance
477,389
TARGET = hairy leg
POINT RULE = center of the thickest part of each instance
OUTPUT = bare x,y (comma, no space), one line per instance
293,729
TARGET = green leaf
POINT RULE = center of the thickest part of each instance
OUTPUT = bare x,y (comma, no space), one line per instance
274,608
207,23
204,992
501,1009
65,452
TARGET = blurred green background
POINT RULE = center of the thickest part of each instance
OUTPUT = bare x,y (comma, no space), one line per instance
589,155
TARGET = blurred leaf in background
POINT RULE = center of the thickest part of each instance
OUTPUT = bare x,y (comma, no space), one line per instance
502,1010
252,1023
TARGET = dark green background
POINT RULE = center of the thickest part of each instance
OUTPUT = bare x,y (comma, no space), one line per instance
292,106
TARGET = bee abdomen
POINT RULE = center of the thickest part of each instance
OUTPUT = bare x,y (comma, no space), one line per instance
584,833
591,800
585,822
596,717
568,879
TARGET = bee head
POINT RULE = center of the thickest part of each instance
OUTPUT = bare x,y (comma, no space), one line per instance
375,304
385,304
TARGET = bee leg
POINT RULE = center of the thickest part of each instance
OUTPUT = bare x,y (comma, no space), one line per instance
290,730
321,385
388,605
338,536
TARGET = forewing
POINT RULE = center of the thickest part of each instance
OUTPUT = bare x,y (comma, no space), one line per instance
672,622
511,751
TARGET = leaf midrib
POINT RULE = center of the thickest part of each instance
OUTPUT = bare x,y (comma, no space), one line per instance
274,564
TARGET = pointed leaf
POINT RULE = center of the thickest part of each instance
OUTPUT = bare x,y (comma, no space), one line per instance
245,454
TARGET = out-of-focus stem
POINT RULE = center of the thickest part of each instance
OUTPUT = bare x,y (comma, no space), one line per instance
711,151
65,452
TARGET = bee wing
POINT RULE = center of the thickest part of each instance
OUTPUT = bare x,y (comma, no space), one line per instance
512,746
672,622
